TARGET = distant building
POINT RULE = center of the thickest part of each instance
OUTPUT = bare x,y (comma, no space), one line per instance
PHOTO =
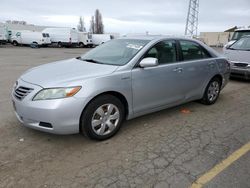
217,39
231,29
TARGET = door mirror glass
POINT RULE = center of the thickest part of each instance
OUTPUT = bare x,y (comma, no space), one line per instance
148,62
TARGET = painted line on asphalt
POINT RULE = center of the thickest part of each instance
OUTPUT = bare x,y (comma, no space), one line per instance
208,176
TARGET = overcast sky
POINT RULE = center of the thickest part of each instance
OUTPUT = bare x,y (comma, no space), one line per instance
129,16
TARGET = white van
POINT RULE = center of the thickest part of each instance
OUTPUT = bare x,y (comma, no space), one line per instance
3,35
100,38
27,38
63,36
85,39
238,33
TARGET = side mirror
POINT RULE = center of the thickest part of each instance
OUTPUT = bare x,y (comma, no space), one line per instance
148,62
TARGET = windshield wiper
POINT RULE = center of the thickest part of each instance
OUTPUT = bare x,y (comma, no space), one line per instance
90,60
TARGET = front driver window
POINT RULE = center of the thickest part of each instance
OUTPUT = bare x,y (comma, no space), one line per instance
164,51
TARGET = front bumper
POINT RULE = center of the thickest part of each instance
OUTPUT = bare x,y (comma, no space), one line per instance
62,114
243,73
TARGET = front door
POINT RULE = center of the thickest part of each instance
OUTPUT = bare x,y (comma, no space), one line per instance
158,86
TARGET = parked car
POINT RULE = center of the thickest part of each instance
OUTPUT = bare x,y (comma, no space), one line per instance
120,79
239,57
3,35
63,36
28,38
85,39
237,35
100,38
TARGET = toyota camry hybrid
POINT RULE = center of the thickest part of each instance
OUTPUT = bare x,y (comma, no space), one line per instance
121,79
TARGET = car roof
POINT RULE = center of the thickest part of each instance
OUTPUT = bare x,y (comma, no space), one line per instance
156,37
242,29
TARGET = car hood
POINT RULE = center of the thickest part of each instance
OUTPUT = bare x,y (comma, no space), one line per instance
63,73
237,56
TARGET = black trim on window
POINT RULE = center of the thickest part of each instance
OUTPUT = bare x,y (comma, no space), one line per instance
200,47
176,51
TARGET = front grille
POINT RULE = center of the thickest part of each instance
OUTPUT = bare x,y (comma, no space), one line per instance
240,64
21,92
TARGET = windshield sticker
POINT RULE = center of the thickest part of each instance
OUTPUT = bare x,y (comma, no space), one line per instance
134,46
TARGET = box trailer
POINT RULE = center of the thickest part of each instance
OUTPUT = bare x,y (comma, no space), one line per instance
85,39
63,36
28,38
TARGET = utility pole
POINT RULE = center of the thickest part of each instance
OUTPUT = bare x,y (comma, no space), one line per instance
192,18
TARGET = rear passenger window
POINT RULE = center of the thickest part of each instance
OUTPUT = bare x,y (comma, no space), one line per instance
164,51
192,51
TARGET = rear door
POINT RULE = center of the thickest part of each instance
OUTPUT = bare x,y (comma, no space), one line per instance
73,36
197,68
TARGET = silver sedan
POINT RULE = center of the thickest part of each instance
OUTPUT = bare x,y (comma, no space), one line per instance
239,57
121,79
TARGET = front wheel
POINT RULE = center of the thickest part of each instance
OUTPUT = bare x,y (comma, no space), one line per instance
15,43
212,92
102,118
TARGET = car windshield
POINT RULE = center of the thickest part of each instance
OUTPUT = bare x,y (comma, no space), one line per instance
238,34
242,44
115,52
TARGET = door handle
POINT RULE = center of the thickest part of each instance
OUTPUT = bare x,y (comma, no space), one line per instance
211,63
178,69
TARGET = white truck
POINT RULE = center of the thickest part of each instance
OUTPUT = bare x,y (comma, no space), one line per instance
100,38
29,37
63,36
3,35
85,39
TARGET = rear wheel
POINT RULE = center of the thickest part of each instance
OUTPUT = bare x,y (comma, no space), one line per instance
212,91
102,118
34,45
81,45
59,45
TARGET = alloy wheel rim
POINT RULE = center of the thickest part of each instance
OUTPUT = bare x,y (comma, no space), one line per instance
213,91
105,119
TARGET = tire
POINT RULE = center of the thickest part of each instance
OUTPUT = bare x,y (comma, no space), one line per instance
81,45
15,43
212,92
96,123
35,43
59,45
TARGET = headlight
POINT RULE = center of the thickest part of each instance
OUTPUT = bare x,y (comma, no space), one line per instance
56,93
